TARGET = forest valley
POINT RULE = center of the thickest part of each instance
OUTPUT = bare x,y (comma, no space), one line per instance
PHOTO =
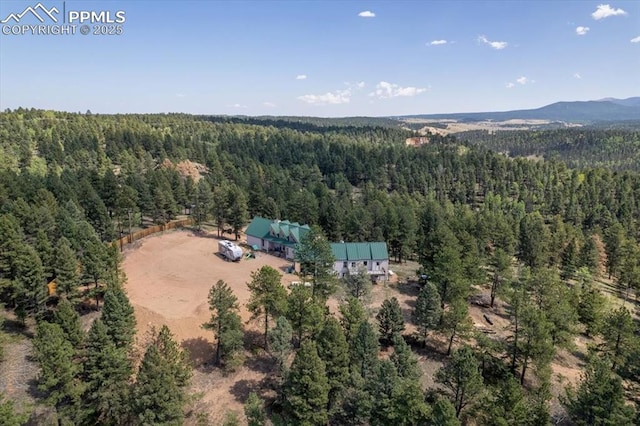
557,248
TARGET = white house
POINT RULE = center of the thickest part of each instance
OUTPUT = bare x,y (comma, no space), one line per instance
373,257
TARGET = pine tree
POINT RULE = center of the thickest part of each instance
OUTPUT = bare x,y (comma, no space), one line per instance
353,314
461,378
500,272
359,284
404,359
8,414
428,310
599,399
66,266
390,320
456,321
58,373
305,392
29,288
225,321
303,312
280,341
160,392
69,320
364,350
444,413
334,351
316,261
591,309
118,317
254,410
618,336
268,297
106,371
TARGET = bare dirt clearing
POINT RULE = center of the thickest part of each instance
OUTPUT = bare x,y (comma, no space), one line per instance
168,281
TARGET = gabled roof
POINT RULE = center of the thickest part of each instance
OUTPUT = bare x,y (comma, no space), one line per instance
277,231
259,227
353,252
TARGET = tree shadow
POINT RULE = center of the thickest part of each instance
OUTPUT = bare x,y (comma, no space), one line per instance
201,351
253,340
242,388
409,288
17,327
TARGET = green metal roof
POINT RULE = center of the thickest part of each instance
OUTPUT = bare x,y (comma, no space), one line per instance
360,251
258,227
276,231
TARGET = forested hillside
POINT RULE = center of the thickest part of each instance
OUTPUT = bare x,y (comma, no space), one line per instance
616,147
539,235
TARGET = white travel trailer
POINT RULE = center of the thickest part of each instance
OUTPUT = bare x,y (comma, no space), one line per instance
229,251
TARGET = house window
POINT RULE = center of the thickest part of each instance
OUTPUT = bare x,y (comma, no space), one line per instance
353,264
365,263
377,263
344,264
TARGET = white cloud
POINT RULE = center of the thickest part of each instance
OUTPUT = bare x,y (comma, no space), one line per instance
367,14
604,11
238,106
386,90
635,40
577,75
438,42
301,77
330,98
360,84
582,30
498,45
180,95
269,104
520,80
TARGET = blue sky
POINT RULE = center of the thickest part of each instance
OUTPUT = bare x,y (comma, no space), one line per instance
325,58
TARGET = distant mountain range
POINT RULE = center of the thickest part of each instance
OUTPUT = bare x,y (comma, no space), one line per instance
607,109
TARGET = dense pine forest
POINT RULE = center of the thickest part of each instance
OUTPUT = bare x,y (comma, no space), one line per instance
553,243
613,146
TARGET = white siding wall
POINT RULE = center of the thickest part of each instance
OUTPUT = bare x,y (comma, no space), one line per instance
254,240
372,267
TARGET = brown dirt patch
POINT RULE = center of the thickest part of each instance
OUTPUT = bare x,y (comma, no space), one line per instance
168,281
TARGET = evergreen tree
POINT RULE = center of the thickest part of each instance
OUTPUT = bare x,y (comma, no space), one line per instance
334,351
316,261
461,379
67,277
599,399
359,284
390,320
58,373
225,321
280,341
29,288
353,314
428,310
505,405
591,309
69,320
106,372
8,414
238,211
305,392
202,205
444,413
618,336
254,410
159,394
303,312
404,359
268,297
364,350
570,260
589,255
500,272
118,317
456,322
